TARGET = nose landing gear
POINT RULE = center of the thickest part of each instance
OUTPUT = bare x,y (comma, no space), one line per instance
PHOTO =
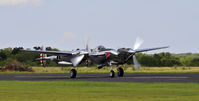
112,74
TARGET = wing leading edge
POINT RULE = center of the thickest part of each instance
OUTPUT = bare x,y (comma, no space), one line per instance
149,49
50,52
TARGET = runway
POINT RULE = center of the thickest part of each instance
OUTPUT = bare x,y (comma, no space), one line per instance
180,78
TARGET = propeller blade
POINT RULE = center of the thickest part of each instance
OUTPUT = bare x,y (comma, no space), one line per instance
43,48
87,45
138,43
136,63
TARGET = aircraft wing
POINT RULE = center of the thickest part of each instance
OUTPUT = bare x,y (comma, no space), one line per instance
51,52
149,49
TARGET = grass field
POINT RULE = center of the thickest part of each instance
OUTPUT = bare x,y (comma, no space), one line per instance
96,91
128,69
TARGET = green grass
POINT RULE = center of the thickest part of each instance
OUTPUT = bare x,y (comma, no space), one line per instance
96,91
128,69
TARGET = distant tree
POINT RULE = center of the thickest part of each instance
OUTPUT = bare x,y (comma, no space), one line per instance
16,50
186,61
55,49
167,59
146,60
37,48
51,49
195,62
7,51
48,48
3,56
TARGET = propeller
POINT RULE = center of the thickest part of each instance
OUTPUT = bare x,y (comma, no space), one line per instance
87,46
88,49
136,63
137,44
82,51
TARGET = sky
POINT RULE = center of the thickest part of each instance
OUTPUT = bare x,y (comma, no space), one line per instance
67,24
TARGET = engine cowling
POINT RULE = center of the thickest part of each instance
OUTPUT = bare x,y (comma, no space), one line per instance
64,63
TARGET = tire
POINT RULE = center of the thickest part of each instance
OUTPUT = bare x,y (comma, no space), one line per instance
112,74
120,72
73,73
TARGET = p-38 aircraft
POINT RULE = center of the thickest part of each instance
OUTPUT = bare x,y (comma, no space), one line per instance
101,56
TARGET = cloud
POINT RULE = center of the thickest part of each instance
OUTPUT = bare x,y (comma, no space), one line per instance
21,2
66,36
69,35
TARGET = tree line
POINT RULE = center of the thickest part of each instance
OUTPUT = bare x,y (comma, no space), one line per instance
164,59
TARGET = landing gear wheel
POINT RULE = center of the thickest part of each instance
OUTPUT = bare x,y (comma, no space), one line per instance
73,73
120,72
112,73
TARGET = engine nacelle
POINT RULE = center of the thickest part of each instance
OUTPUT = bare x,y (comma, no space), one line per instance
64,63
51,58
47,58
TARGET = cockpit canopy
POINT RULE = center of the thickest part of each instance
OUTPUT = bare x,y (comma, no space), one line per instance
100,48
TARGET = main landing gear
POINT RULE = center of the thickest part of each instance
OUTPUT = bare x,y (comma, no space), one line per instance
73,73
120,72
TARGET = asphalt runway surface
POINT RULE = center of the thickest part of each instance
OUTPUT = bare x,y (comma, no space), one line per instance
141,77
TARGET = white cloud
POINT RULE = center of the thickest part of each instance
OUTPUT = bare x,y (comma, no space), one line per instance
69,35
21,2
66,36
